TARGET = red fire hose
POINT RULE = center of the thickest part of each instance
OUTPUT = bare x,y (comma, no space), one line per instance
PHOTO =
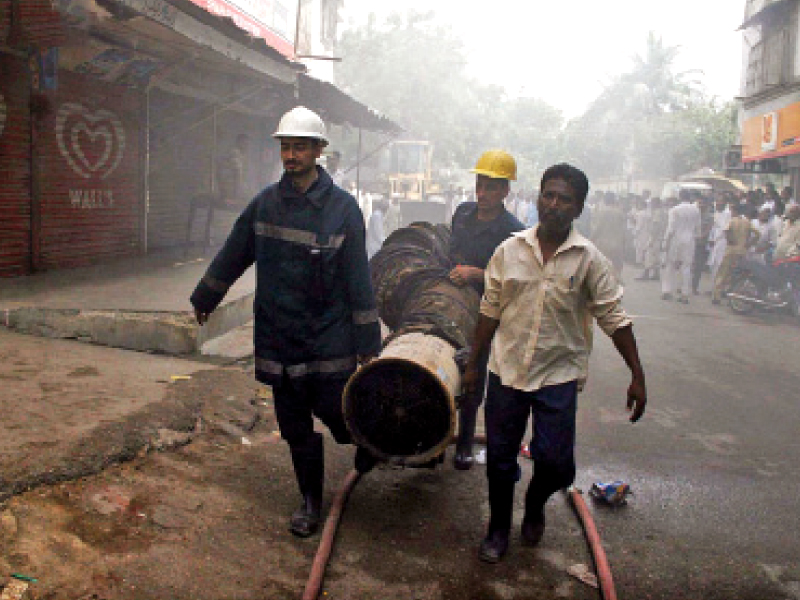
314,584
604,577
328,534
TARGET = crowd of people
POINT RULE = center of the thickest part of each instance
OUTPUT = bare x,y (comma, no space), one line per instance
677,239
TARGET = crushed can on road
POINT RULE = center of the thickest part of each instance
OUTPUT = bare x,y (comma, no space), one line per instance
615,493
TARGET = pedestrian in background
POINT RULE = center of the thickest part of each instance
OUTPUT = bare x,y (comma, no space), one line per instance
716,238
315,313
641,234
701,251
392,219
375,230
655,237
767,227
608,231
740,236
683,228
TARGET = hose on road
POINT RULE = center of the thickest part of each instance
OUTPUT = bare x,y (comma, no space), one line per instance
604,577
314,584
328,534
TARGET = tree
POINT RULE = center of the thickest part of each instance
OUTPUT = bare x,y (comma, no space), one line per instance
650,122
414,71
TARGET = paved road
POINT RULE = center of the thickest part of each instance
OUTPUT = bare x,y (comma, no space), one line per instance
712,465
714,461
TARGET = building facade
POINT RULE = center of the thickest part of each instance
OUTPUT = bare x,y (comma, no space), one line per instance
115,116
770,95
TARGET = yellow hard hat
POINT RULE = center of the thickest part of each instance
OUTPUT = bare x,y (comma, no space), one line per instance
497,164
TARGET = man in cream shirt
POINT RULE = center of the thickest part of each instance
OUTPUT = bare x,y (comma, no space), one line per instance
543,287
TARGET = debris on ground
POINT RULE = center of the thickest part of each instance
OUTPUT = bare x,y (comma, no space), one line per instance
615,493
14,590
584,574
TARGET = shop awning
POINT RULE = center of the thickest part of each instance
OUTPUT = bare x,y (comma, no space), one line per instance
770,9
337,107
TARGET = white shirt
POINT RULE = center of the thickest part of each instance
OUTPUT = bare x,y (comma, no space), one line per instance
769,237
375,235
683,222
722,218
545,310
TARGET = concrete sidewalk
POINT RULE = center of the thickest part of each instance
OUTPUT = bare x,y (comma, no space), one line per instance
140,303
69,409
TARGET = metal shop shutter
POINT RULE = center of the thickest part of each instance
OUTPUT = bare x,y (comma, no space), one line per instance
181,141
15,169
89,173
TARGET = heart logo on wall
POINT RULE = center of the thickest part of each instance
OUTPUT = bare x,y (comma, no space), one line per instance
2,114
92,142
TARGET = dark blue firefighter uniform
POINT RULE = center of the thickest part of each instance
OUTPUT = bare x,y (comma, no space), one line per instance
314,307
472,243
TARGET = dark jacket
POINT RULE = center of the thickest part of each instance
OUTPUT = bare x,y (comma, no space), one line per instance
314,305
473,242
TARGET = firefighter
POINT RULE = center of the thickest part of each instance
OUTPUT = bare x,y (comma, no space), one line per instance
477,229
315,314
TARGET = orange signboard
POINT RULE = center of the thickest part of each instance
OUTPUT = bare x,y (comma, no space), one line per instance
772,134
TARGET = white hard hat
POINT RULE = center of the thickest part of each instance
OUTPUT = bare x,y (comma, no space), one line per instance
302,122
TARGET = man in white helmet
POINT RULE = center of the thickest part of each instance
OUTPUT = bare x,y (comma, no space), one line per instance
315,313
477,229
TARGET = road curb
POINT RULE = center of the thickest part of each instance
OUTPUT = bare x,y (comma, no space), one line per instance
164,332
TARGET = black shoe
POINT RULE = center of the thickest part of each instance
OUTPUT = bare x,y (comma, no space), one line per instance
305,520
364,461
666,296
463,460
532,530
683,299
494,547
715,301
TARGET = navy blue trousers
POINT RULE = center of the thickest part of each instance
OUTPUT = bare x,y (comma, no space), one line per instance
297,401
553,445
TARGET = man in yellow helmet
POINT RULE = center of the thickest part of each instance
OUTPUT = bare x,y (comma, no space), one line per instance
477,229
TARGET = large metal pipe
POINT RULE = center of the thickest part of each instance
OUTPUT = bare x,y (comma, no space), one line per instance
402,405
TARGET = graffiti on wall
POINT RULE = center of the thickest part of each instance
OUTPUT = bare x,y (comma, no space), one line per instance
93,144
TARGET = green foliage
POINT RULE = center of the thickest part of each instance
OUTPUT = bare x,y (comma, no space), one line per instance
649,122
414,71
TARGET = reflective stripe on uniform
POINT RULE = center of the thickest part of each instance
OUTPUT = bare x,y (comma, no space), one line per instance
298,236
335,365
365,317
269,366
216,284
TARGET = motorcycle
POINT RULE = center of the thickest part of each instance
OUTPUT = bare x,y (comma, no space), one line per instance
771,288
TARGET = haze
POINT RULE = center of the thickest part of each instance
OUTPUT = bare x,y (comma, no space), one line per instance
563,52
